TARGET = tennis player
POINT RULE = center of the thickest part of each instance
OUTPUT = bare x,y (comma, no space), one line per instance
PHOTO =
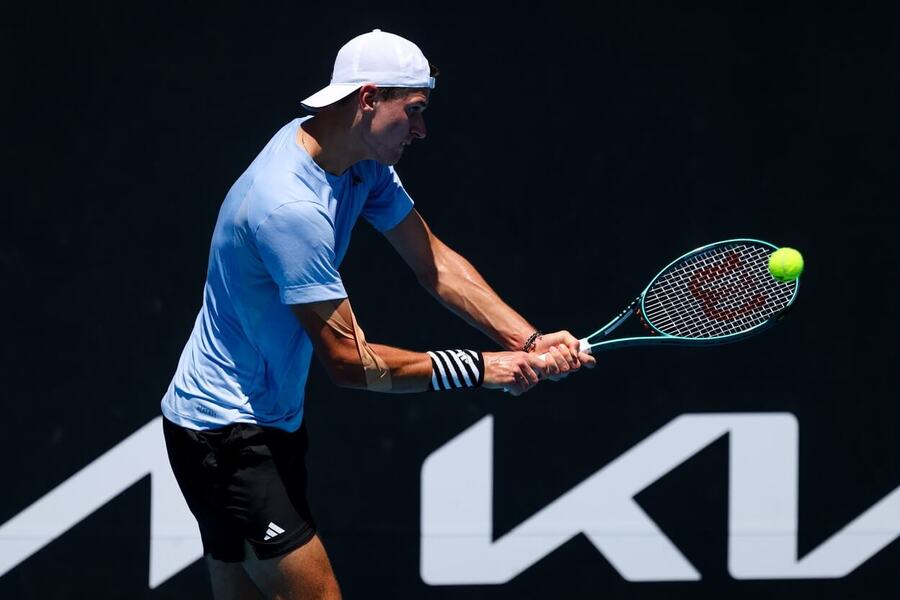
273,297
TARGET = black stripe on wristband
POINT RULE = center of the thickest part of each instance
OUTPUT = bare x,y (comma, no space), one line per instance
456,369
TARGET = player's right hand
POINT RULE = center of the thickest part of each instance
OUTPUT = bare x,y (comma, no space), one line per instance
515,372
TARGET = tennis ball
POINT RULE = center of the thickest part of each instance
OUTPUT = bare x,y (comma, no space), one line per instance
786,264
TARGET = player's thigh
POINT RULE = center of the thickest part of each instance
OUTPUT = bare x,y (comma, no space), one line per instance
305,573
230,581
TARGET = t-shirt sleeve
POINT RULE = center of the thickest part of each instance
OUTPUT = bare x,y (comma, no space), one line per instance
296,243
388,203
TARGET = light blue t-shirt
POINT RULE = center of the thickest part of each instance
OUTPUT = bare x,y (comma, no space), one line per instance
281,234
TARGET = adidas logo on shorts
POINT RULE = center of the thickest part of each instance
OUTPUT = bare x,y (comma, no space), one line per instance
272,531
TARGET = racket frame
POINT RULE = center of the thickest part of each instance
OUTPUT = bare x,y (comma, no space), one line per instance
665,339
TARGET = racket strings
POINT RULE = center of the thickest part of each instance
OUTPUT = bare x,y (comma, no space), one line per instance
718,292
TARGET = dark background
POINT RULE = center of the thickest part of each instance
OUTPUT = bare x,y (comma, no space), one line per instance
572,152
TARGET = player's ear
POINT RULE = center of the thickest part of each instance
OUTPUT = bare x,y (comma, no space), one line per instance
367,96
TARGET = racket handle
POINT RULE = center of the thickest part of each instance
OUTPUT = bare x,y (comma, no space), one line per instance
583,346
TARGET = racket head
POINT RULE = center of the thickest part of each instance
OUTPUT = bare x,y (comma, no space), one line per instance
715,294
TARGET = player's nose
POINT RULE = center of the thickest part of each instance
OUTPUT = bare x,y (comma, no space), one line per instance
418,129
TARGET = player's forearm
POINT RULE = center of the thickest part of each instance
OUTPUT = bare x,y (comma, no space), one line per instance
459,287
351,361
408,371
442,370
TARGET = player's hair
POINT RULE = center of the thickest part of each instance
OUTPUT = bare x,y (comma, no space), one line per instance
391,93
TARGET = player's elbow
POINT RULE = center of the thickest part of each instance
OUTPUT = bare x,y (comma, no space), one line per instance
344,368
439,272
350,376
429,278
438,266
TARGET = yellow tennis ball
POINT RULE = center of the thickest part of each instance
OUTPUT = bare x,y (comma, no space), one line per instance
786,264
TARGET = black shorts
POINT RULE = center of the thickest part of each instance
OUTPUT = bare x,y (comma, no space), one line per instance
243,482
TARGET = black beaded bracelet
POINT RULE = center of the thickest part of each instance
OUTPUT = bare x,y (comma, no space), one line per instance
528,346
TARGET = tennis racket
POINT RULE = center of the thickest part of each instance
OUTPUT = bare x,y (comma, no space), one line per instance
716,294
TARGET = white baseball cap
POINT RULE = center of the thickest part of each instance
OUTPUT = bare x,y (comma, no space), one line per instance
378,57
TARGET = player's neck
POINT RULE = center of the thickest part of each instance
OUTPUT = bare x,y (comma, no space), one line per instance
328,142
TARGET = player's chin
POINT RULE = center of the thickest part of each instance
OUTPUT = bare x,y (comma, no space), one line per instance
392,159
396,157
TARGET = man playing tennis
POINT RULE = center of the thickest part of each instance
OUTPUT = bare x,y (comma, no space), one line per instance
234,411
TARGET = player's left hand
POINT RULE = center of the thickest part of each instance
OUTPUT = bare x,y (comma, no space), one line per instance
564,357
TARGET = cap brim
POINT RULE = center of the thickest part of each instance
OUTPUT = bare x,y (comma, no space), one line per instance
330,95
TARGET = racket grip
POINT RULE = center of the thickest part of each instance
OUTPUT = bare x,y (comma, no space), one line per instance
583,346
